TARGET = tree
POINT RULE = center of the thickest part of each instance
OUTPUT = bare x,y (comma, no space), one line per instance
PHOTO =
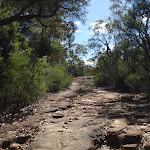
102,36
35,40
41,9
130,58
76,65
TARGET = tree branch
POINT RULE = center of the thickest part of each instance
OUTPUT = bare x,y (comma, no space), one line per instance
20,17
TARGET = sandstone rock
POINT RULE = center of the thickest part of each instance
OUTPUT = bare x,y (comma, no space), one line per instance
51,109
113,132
75,87
111,96
67,94
7,140
129,147
131,136
14,146
63,105
147,145
58,115
144,120
22,139
119,112
5,144
1,141
118,125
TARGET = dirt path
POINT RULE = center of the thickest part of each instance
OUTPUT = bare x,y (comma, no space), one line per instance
80,118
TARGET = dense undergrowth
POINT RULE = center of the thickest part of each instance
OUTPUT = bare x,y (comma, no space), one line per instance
24,78
120,75
126,64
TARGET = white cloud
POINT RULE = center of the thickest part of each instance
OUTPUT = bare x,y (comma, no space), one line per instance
145,18
111,47
78,31
87,62
99,28
77,23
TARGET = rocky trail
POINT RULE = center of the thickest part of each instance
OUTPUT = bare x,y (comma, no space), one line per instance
80,118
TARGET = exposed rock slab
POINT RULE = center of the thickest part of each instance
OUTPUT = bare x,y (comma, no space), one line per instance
75,136
51,109
118,125
67,94
63,105
82,119
115,129
131,136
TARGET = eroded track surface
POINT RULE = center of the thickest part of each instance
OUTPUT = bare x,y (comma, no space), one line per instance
82,118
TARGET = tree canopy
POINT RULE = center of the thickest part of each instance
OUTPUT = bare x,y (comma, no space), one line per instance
128,65
24,10
36,46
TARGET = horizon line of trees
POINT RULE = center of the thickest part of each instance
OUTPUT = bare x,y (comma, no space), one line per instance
127,65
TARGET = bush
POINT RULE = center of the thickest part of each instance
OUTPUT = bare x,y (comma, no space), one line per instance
119,75
101,79
25,78
133,81
57,79
145,83
22,82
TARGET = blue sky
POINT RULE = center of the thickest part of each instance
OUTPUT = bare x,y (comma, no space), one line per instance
98,10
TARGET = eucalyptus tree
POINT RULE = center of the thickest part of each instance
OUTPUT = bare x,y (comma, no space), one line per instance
102,38
132,26
42,10
45,23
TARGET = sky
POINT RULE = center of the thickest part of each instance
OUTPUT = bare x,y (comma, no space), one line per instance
98,10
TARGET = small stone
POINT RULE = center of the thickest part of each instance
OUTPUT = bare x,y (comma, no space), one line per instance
14,146
58,115
51,109
63,105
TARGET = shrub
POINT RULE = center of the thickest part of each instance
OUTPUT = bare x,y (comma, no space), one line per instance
22,82
119,75
133,81
101,79
25,78
57,79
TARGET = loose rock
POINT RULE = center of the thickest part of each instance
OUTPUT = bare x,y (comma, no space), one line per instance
15,146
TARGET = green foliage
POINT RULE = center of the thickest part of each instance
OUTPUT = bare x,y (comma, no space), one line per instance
120,75
133,81
103,69
76,68
42,11
35,41
24,80
100,79
126,67
10,34
57,79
